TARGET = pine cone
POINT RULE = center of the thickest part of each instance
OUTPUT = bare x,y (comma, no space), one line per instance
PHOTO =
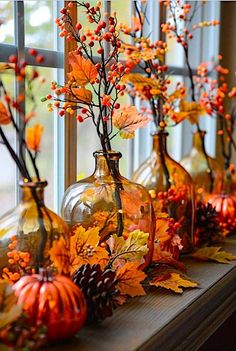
207,229
99,288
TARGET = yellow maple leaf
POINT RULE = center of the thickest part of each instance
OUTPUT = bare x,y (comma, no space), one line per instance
129,279
84,247
190,110
83,70
173,281
60,256
213,253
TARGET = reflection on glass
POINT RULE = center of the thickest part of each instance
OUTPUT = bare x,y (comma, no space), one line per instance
6,22
39,24
46,156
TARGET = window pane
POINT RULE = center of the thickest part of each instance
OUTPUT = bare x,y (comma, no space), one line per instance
6,22
46,156
39,24
7,178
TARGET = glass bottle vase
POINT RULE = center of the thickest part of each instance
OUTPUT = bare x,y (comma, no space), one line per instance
109,201
28,232
205,171
170,187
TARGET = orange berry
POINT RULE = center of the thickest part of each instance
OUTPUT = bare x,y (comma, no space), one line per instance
11,261
22,264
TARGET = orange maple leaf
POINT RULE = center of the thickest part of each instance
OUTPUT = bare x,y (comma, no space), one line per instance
83,71
129,279
60,256
84,248
4,115
128,119
82,94
33,137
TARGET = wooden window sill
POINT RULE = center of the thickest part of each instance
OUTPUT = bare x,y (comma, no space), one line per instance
165,321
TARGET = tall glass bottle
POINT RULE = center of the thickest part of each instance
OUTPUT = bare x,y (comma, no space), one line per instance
28,231
205,171
170,187
109,201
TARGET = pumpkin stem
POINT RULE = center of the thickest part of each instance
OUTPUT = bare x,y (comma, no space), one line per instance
46,274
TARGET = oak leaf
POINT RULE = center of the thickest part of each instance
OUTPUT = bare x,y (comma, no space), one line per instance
127,120
5,117
129,279
33,137
83,70
174,282
82,94
84,247
213,253
133,248
60,256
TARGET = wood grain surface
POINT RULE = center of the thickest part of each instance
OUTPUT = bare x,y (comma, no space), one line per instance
165,321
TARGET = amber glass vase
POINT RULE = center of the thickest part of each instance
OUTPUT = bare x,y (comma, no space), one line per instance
205,171
28,232
109,201
170,187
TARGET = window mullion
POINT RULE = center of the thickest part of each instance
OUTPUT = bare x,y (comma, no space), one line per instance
70,123
19,86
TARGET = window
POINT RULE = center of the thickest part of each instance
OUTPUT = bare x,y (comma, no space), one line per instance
30,24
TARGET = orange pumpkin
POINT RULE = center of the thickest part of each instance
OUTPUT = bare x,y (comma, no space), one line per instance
225,205
53,301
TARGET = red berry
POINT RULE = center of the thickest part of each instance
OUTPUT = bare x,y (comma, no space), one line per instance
83,38
63,11
61,113
116,106
84,110
80,118
39,58
49,96
32,52
91,44
13,59
100,51
87,4
78,26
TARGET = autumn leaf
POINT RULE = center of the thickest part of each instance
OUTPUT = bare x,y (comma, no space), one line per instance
137,22
213,253
83,70
131,201
140,81
169,278
60,256
84,247
33,137
9,310
127,120
100,192
174,282
129,279
82,94
133,248
5,117
189,110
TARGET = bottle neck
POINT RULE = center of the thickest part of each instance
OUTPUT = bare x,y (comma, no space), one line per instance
199,141
107,164
33,192
159,143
